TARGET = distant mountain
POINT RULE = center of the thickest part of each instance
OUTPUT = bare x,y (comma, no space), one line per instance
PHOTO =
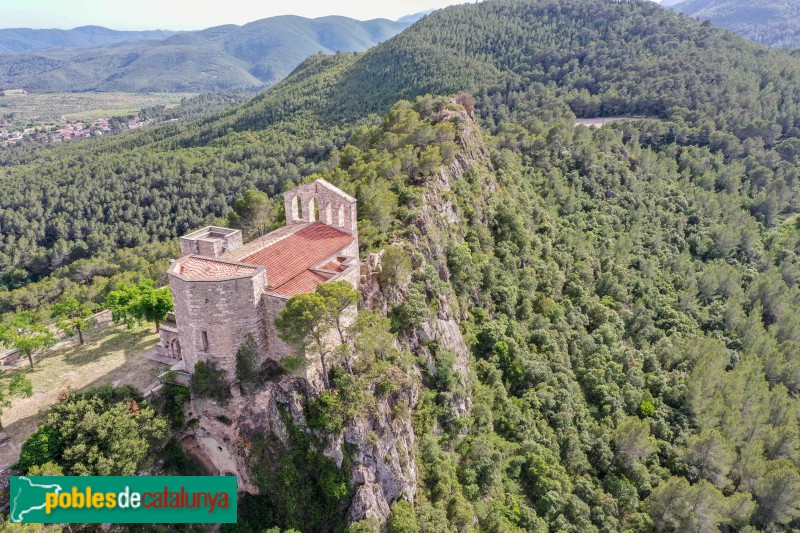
416,16
771,22
26,39
228,57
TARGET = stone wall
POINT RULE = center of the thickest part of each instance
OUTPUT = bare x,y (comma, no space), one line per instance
169,342
214,317
336,208
273,306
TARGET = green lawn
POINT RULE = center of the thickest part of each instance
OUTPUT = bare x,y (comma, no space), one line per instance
111,355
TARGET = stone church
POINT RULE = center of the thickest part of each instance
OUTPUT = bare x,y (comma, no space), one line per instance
224,289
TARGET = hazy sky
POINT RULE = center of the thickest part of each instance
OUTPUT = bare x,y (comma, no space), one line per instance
191,15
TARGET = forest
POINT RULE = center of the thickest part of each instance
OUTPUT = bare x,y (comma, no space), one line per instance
630,295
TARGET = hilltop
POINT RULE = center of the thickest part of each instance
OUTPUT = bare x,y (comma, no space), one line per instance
230,57
771,22
563,328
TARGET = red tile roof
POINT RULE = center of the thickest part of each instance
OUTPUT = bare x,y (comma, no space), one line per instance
292,256
305,282
333,266
205,268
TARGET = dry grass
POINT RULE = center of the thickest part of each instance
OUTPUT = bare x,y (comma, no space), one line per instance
54,108
111,355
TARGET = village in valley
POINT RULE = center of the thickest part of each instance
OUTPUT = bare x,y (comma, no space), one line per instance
66,117
69,131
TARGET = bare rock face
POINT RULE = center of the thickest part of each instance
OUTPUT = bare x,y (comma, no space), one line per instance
373,296
368,502
383,446
440,223
221,439
380,445
385,469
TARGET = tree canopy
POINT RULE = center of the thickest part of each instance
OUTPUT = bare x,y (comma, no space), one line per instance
105,431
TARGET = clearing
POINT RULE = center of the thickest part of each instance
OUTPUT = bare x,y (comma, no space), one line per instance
53,108
111,354
599,122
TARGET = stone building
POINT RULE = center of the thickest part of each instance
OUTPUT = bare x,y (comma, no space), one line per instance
224,289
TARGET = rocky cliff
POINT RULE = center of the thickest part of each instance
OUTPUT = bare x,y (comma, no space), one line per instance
377,448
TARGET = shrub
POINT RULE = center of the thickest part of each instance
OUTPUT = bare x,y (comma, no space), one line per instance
170,401
368,525
47,469
301,487
403,519
41,447
646,409
445,375
292,365
100,432
176,461
395,266
111,394
385,388
412,312
210,381
246,360
325,412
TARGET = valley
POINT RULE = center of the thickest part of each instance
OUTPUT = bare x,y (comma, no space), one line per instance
55,117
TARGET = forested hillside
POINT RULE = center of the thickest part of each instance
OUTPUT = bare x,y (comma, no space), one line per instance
770,22
230,57
173,178
629,296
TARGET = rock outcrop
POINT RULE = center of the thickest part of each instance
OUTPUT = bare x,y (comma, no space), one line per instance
383,468
380,445
222,434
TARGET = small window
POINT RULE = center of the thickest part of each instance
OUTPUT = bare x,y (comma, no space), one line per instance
205,341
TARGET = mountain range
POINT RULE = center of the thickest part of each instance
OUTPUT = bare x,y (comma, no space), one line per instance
771,22
230,57
257,55
16,40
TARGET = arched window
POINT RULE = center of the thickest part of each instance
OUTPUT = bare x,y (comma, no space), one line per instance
328,215
297,208
313,210
341,216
